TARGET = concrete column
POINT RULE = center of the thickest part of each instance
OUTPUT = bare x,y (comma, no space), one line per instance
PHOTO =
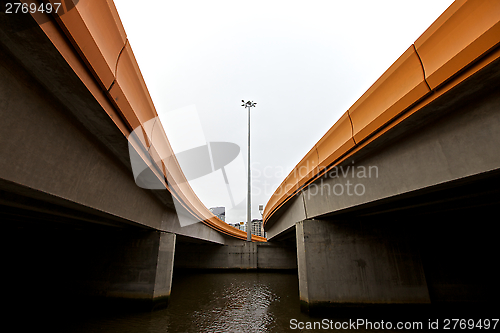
357,264
143,270
164,269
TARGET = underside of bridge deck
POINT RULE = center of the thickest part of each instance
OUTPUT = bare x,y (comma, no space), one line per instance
436,248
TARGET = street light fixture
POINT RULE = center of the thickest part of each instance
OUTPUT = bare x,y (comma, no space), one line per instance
249,105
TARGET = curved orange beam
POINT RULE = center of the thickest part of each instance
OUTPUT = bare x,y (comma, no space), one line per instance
460,42
99,44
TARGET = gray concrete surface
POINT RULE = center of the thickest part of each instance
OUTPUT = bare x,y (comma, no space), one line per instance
240,255
142,270
81,226
61,155
357,264
451,141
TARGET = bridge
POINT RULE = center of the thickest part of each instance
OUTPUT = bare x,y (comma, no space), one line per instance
397,203
394,205
71,94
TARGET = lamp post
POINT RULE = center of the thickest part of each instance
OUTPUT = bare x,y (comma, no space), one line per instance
249,105
261,210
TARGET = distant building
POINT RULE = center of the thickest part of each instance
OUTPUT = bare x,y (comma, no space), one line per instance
257,228
220,212
238,225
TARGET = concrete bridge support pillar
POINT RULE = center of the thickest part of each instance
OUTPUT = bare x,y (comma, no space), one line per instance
143,272
357,264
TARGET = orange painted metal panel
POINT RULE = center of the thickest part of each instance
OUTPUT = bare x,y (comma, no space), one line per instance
164,157
94,26
129,91
75,62
450,84
336,142
302,173
273,205
454,48
398,88
305,169
182,191
99,37
462,34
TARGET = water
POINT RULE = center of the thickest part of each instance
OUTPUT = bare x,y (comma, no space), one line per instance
201,302
211,302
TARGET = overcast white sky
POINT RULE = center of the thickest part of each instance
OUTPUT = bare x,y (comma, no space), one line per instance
304,63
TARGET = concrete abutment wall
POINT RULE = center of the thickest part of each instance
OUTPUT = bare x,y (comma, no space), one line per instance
240,255
357,264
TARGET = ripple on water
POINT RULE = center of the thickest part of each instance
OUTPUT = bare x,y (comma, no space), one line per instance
212,302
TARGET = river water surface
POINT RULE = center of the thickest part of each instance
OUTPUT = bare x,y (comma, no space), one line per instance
208,302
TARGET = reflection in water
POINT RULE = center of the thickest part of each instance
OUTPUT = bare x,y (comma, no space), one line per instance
233,302
209,302
239,304
206,302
